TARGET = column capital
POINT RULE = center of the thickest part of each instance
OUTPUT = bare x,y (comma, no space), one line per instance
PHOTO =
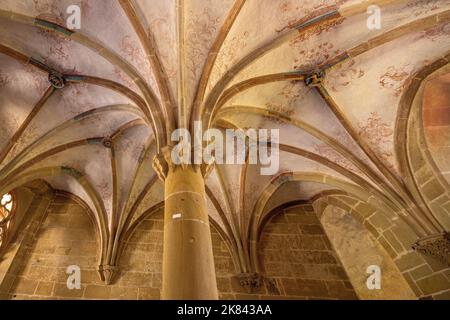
162,163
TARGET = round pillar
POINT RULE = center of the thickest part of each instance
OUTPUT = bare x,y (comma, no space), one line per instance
188,262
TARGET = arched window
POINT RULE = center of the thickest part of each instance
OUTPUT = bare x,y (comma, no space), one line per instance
7,208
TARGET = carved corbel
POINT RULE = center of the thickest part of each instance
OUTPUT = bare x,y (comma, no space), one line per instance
107,273
251,282
436,246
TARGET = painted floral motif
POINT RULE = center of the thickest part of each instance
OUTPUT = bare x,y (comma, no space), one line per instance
48,10
280,108
420,7
133,53
129,49
4,79
292,92
330,153
311,58
309,10
229,56
54,13
39,82
379,134
286,8
133,147
343,74
167,53
123,78
77,92
59,47
289,96
395,78
201,29
435,33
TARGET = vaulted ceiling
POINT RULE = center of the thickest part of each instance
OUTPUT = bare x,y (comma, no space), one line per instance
138,69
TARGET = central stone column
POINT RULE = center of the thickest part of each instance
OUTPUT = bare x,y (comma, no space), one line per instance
188,262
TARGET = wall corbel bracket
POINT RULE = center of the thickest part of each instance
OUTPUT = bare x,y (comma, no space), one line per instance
436,246
107,273
251,282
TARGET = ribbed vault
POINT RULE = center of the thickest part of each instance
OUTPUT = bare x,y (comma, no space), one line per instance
87,110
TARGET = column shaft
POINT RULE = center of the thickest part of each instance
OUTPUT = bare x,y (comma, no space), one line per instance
188,262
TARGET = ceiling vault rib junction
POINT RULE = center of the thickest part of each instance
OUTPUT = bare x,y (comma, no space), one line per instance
154,114
65,125
420,24
332,143
100,106
314,20
396,207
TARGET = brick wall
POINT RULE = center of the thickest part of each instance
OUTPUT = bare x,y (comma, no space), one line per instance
298,260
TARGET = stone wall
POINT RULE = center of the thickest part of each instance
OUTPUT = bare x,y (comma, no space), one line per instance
358,250
425,275
428,147
30,212
298,260
67,237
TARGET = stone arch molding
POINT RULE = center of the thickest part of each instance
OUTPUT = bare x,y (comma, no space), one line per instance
385,225
150,99
395,237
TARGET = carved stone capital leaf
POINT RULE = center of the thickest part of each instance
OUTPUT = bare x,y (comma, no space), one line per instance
162,163
207,169
160,166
